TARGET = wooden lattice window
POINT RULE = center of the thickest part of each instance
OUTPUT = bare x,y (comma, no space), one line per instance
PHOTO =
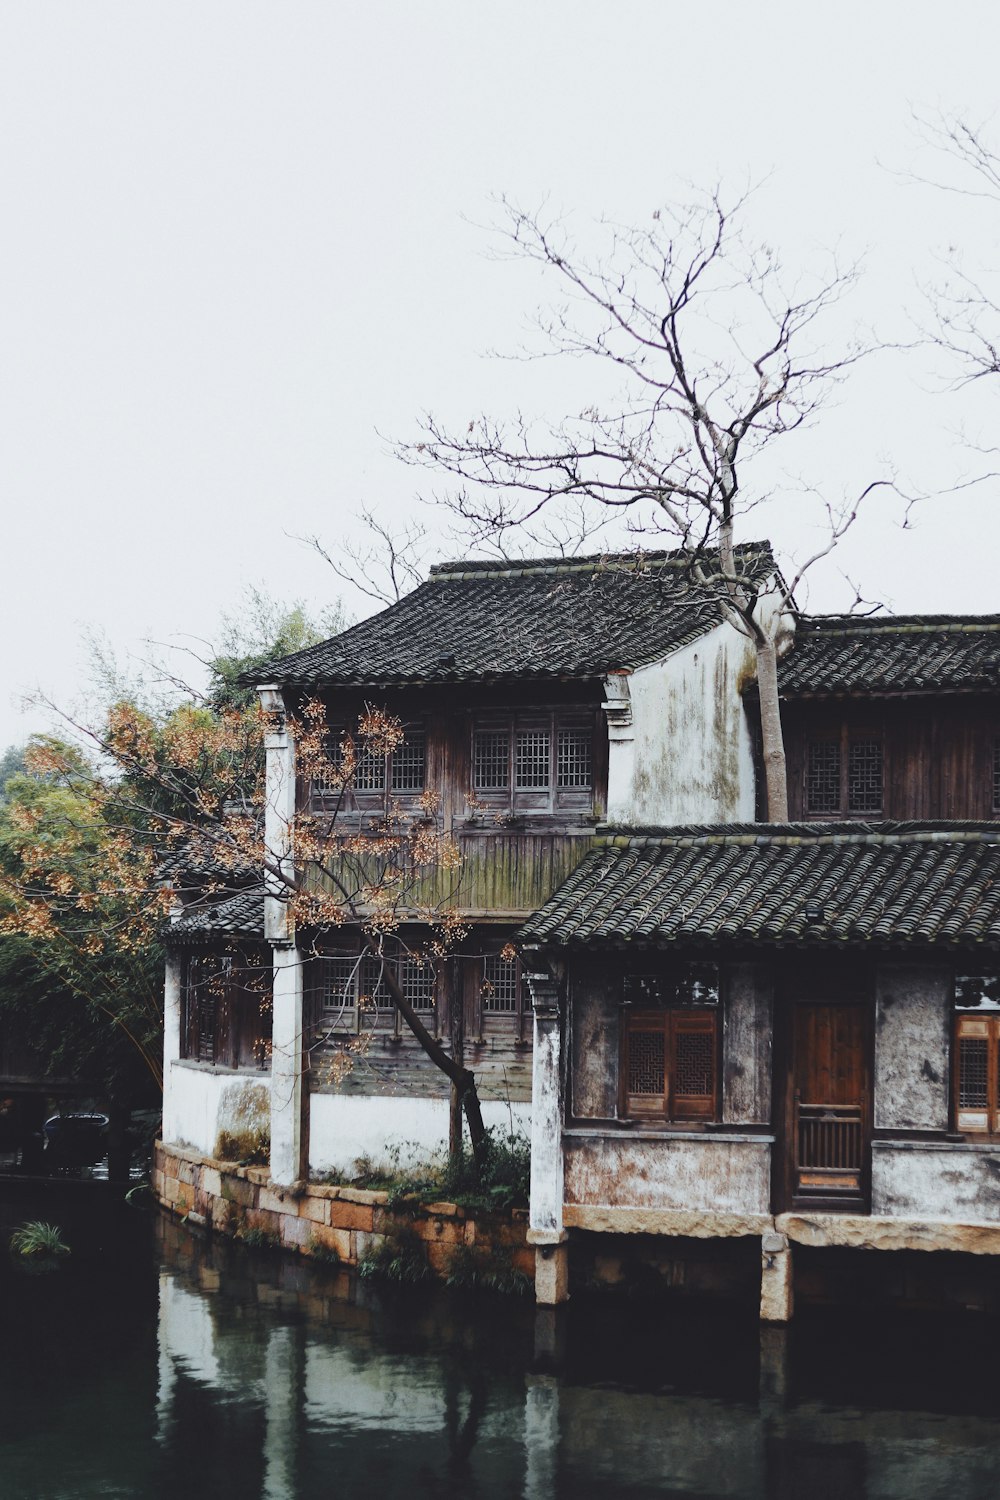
996,776
226,1010
670,1064
377,779
351,996
976,1058
533,762
844,774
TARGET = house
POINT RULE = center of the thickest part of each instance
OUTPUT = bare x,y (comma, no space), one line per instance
790,1034
721,1032
537,700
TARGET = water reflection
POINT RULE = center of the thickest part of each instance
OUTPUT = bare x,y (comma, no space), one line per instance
180,1369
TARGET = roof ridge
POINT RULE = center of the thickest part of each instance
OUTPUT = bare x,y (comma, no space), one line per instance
792,834
897,624
465,569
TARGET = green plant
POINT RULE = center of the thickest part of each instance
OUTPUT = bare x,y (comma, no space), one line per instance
505,1177
399,1258
257,1238
37,1239
473,1272
325,1253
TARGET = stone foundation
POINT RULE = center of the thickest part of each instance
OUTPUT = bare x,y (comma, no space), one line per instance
320,1221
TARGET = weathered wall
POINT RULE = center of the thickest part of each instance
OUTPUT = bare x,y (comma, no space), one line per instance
747,1045
912,1015
343,1128
199,1102
594,1050
691,752
936,1180
646,1169
344,1221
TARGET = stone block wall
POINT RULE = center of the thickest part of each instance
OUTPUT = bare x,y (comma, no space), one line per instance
315,1220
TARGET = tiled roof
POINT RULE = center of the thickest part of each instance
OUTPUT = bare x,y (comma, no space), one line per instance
240,915
893,654
904,885
541,618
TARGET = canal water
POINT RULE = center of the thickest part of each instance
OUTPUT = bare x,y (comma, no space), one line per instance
152,1363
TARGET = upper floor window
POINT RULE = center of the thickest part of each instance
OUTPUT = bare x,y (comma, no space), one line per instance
534,762
844,774
375,779
996,776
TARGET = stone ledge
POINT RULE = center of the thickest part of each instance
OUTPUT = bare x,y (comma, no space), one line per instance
682,1223
863,1232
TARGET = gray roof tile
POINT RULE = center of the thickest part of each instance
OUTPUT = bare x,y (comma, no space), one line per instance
541,618
893,654
893,884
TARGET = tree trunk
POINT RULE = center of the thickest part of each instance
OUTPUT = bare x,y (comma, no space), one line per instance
772,739
461,1077
456,1017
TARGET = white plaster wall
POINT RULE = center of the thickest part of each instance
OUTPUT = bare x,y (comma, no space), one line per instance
690,759
700,1174
934,1180
199,1102
343,1127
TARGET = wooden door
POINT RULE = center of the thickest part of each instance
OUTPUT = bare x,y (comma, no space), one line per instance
828,1134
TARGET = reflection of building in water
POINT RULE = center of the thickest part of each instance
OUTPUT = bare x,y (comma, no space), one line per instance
446,1397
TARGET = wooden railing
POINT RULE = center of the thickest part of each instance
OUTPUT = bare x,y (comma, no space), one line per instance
829,1137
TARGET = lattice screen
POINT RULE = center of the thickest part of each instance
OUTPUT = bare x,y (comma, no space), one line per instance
369,769
996,775
973,1065
864,776
501,985
531,760
694,1064
417,982
338,987
647,1059
491,768
408,761
573,758
823,777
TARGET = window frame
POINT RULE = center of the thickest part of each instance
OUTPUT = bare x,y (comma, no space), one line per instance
846,739
216,1035
513,727
502,1022
353,1019
663,1008
379,798
976,1023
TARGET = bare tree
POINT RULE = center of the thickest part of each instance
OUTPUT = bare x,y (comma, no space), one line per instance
717,359
965,307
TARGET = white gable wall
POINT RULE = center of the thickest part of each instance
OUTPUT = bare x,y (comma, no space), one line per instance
689,758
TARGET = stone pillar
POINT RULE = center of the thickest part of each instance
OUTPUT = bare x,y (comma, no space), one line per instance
621,746
171,1034
289,1100
776,1288
288,1096
545,1212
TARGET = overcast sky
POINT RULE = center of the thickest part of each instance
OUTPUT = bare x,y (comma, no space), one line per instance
241,241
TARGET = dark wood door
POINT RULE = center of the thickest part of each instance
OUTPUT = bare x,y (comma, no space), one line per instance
828,1135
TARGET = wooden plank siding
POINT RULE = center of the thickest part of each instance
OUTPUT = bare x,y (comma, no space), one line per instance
937,752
